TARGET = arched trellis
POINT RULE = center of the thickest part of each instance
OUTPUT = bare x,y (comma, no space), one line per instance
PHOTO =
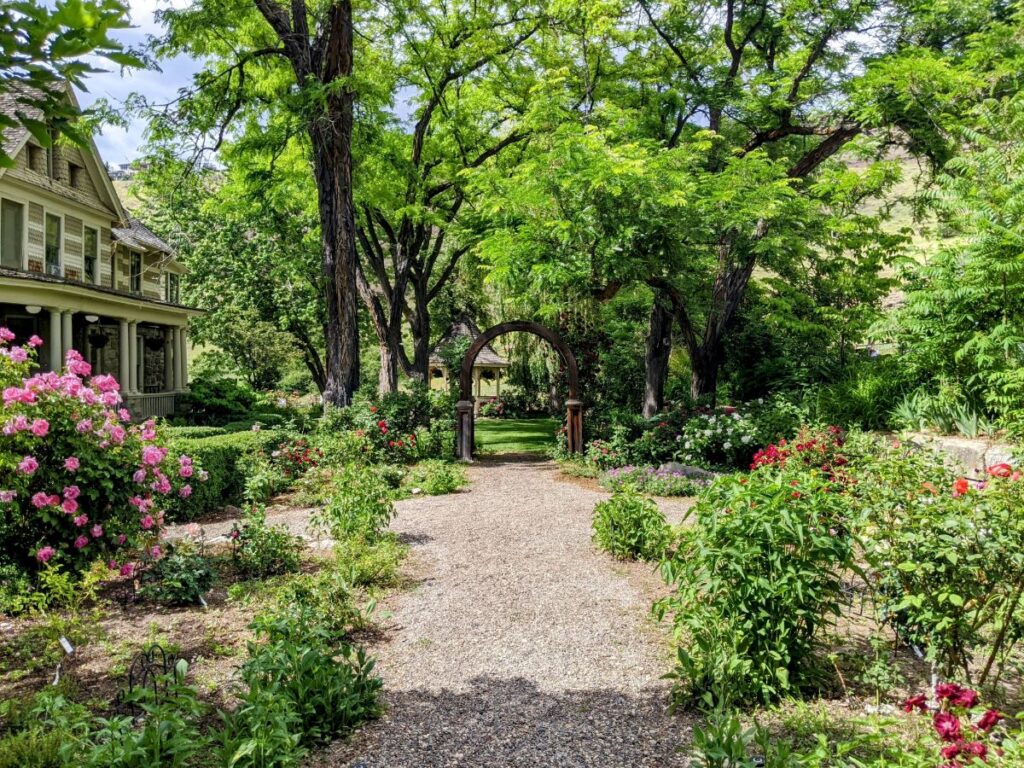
465,410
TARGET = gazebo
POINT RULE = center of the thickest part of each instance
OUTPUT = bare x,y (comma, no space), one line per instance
487,370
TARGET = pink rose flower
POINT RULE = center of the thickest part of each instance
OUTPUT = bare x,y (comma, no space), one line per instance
40,427
81,542
97,531
6,334
155,551
117,434
121,539
18,354
70,506
185,491
7,497
45,553
85,425
40,500
71,463
34,341
153,455
105,383
139,476
185,470
81,520
147,522
72,492
28,465
127,569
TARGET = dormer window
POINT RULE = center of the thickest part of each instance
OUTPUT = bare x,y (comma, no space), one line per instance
172,291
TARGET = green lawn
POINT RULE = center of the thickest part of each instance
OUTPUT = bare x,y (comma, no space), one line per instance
516,435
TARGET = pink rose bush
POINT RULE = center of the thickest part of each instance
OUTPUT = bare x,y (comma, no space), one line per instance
78,481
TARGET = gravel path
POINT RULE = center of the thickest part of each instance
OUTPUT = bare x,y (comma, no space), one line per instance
520,645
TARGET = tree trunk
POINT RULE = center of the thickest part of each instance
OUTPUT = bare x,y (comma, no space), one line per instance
387,379
419,325
331,137
704,365
659,348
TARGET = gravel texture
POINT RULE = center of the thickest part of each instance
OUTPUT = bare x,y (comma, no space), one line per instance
520,644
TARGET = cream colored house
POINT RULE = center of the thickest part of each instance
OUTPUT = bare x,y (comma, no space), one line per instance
488,368
79,272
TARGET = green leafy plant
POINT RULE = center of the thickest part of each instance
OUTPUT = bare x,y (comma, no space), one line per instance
361,505
756,579
435,477
629,526
263,550
328,684
180,577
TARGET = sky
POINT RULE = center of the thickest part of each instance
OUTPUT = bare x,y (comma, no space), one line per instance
121,145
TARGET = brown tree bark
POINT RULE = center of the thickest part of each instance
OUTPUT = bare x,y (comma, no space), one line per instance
658,351
325,58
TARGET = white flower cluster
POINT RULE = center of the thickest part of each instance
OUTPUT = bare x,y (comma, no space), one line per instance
722,438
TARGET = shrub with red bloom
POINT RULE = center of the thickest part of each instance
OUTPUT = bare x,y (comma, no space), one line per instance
961,487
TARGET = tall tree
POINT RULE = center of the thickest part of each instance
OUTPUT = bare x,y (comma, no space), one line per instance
263,57
455,67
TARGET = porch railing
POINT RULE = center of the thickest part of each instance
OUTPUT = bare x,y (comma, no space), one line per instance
151,404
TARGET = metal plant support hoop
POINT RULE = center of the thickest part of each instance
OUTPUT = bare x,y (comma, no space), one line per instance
464,409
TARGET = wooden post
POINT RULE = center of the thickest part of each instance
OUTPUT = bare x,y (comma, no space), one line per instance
574,425
464,430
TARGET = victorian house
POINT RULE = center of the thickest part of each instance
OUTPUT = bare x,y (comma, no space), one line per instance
77,270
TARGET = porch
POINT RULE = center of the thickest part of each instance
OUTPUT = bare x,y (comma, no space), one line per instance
148,358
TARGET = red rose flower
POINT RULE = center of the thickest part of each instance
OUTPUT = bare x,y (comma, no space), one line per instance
966,698
960,487
947,691
947,726
373,409
989,720
975,749
916,702
951,750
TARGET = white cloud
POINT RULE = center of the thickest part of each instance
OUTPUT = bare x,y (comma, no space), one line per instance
116,144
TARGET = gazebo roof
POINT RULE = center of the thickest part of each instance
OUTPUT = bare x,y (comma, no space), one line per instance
465,327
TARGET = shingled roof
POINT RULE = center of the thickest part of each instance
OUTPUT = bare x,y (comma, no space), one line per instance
466,328
12,137
138,235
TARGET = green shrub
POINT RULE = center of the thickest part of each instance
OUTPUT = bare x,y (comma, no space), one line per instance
360,506
215,400
263,731
631,527
181,577
193,432
328,684
370,563
756,579
436,478
219,456
263,550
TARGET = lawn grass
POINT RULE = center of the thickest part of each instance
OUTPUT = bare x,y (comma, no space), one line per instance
516,435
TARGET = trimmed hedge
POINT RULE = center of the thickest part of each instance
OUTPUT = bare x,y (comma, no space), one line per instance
219,455
183,433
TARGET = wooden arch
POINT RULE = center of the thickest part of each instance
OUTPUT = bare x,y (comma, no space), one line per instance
465,410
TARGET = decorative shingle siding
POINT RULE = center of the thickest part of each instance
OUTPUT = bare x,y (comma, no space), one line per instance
72,256
35,233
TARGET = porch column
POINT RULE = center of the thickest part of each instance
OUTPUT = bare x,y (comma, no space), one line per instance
497,384
55,341
65,334
464,430
183,353
176,343
124,364
168,359
133,357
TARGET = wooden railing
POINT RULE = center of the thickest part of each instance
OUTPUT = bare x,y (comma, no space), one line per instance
151,404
